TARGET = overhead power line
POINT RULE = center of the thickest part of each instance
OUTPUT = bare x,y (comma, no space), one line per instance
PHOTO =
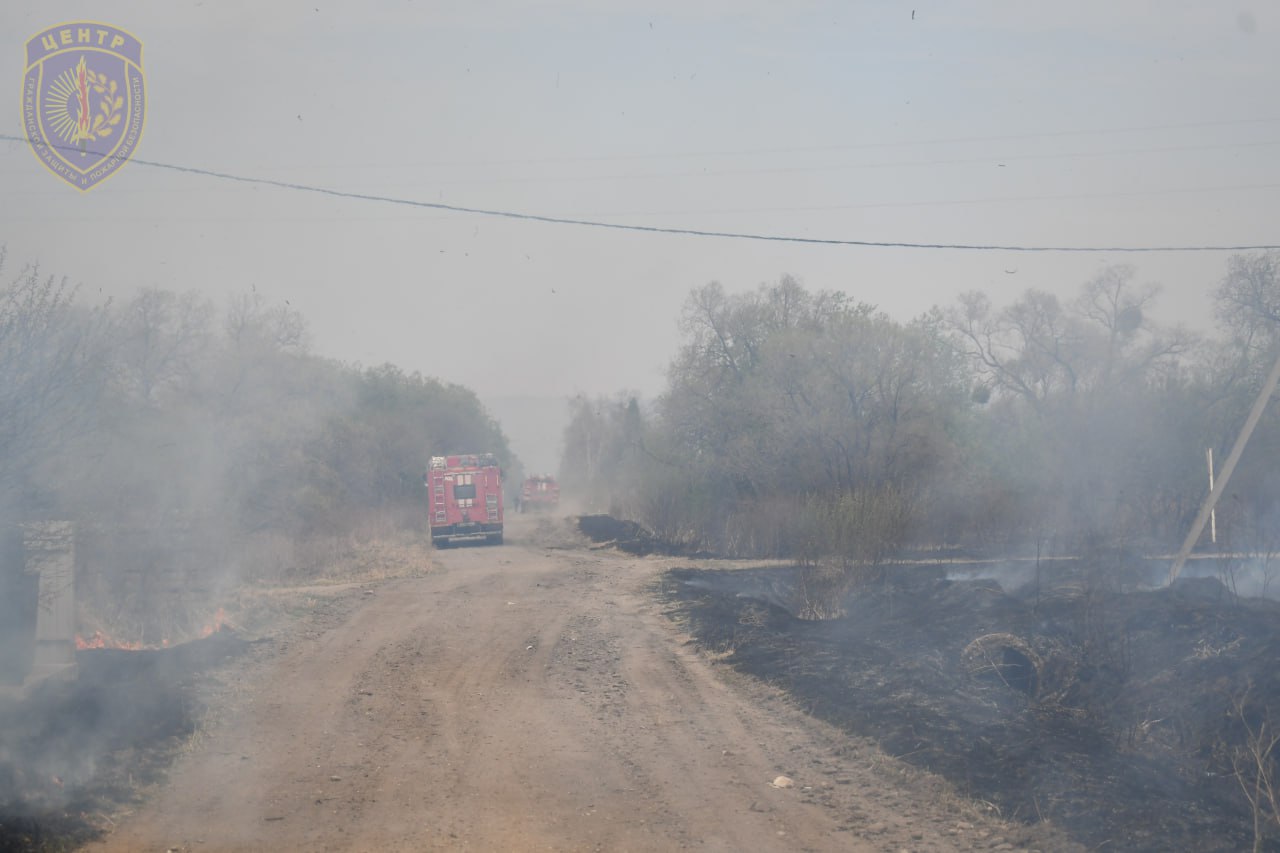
654,229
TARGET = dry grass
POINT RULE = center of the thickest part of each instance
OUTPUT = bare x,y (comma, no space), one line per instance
378,549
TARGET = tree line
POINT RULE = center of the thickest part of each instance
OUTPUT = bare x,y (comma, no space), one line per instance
165,412
804,423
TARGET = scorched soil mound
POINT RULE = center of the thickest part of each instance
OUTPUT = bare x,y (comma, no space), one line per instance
631,538
1114,715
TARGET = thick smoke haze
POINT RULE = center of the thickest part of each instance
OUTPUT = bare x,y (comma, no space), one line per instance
223,378
197,445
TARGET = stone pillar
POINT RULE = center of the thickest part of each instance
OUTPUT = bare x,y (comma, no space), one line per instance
49,547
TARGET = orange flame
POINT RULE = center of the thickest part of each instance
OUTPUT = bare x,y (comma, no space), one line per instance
102,640
216,624
99,640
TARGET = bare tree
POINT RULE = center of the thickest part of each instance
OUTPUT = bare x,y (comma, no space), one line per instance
258,337
50,375
1075,388
252,323
161,337
1253,761
1249,296
1038,349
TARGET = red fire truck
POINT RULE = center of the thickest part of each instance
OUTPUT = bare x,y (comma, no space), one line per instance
539,493
464,498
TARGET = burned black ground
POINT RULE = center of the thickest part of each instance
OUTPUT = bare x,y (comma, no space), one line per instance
75,751
1108,712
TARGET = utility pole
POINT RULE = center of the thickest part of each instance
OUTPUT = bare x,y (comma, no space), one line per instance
1213,513
1255,414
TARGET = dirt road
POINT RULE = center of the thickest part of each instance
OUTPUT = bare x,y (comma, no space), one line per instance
525,697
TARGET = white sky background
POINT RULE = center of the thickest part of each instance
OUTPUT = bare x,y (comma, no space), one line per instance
1134,123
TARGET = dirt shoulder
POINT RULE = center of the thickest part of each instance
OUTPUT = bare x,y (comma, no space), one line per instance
529,696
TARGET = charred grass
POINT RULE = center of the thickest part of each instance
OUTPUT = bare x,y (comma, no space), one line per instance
1116,715
77,752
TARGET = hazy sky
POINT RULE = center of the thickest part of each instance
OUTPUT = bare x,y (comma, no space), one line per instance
1133,123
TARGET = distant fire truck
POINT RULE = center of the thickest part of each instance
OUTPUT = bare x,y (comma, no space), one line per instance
464,498
539,493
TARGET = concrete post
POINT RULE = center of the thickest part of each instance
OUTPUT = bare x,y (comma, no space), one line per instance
49,547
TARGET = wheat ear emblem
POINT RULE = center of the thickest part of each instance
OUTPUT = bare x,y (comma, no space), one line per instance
110,108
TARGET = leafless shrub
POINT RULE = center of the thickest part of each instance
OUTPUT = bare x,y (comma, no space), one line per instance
821,589
1253,761
860,528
